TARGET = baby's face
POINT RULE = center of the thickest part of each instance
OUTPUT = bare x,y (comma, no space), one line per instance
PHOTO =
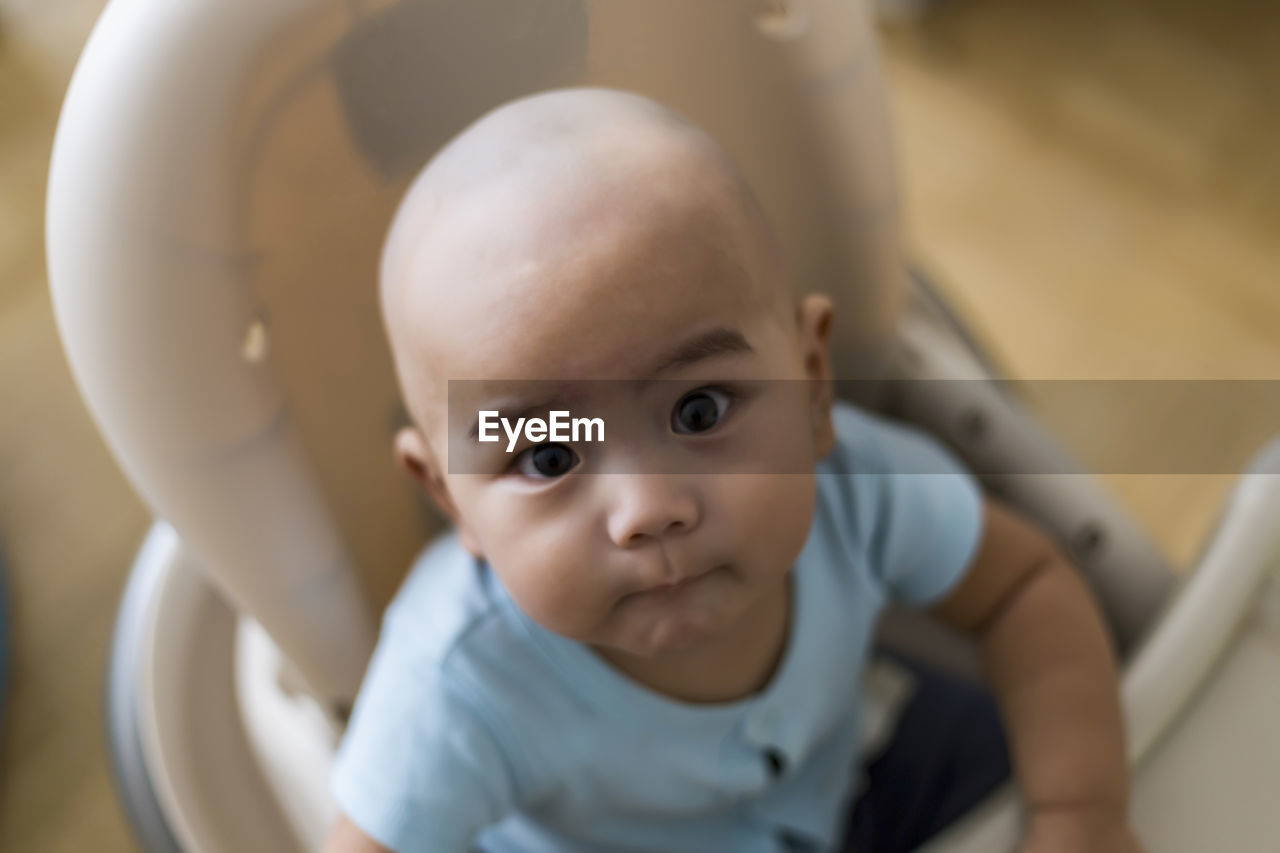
705,478
665,322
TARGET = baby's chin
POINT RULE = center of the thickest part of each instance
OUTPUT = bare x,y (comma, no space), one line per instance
664,623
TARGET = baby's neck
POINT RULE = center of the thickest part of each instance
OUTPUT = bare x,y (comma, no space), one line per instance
738,664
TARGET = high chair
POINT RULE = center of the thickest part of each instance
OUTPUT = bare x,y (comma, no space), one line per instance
222,177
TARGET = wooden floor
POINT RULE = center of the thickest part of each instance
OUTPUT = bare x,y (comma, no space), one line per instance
1097,184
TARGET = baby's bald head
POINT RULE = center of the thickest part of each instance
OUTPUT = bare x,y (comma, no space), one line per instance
534,207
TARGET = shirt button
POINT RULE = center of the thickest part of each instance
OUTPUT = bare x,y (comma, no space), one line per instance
775,761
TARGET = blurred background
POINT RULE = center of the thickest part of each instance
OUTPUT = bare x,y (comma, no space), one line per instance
1097,186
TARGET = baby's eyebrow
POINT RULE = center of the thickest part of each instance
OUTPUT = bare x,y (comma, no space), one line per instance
721,340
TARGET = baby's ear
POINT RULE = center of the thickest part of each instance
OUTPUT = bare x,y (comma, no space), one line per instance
414,454
813,326
411,450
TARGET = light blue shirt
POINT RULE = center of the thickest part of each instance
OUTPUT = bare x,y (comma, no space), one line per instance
477,727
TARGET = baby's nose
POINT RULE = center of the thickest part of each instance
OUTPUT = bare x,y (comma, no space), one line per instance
648,507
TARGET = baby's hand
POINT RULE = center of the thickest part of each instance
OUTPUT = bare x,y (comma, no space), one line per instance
1079,831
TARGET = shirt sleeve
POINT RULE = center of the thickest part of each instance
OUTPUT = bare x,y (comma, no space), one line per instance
418,769
917,513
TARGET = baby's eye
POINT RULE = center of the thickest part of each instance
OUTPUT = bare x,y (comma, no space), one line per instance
546,461
699,411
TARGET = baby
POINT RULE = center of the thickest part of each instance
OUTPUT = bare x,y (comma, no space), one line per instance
655,642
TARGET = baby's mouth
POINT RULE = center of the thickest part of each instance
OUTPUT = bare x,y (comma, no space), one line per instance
667,589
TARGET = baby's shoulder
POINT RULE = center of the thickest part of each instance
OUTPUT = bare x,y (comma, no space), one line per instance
872,443
443,600
859,448
912,534
866,494
864,440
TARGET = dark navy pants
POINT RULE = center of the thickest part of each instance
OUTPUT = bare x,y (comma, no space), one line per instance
947,754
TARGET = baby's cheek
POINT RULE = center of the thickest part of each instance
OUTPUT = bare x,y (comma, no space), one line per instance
775,512
552,589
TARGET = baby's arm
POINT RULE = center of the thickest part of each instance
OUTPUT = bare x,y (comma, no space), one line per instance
346,837
1046,656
